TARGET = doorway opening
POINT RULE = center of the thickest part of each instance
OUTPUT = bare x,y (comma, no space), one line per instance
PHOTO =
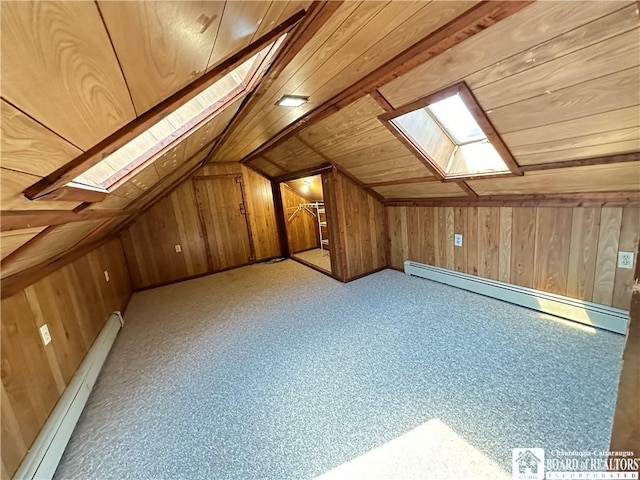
306,222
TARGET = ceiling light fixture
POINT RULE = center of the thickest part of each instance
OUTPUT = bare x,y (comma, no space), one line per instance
305,186
292,100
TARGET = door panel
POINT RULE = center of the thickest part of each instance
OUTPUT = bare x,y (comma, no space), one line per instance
223,215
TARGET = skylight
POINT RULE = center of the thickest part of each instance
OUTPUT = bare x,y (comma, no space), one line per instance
447,133
146,147
454,116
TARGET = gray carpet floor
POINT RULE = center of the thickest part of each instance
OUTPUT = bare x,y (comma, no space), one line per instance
280,372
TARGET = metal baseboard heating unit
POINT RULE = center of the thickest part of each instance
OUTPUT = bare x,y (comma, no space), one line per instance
592,314
45,454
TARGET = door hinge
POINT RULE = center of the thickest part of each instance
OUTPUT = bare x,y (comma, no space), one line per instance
238,179
243,211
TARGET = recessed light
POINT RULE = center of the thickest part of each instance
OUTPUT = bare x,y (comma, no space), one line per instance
292,100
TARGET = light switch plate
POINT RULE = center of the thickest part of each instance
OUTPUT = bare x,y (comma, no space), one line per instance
457,240
178,248
106,275
44,333
625,260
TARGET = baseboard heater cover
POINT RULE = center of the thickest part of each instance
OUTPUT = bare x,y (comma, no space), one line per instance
45,454
592,314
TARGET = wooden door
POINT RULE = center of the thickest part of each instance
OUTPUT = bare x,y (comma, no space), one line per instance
222,212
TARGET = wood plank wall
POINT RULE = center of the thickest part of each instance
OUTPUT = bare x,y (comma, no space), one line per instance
262,214
302,230
357,228
567,251
74,302
625,434
150,241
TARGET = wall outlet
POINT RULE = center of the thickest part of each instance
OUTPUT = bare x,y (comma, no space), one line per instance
178,248
457,240
44,333
625,259
106,275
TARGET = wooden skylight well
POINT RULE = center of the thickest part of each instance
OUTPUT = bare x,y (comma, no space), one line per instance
451,133
132,157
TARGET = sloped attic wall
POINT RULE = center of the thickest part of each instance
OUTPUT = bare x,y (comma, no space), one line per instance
74,301
187,219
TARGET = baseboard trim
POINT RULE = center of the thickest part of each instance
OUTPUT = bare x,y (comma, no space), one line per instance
199,275
45,454
592,314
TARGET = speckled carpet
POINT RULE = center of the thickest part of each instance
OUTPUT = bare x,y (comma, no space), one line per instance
279,372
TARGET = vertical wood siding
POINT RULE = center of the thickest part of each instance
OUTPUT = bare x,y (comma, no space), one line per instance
567,251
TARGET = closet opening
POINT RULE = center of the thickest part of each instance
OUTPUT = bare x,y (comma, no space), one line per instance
306,223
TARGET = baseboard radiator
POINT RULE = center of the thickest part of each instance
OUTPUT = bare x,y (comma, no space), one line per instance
592,314
45,454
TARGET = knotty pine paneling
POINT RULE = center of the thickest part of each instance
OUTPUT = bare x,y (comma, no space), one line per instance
567,251
357,228
174,220
302,230
74,302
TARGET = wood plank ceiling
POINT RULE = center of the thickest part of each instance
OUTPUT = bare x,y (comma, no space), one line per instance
75,72
559,81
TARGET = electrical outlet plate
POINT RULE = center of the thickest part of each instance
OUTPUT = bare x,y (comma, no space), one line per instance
106,275
178,248
625,260
457,240
45,335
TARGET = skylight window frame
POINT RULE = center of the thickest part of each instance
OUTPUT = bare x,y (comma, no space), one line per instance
479,116
67,173
263,59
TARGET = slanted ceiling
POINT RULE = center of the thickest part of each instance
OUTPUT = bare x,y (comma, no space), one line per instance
559,81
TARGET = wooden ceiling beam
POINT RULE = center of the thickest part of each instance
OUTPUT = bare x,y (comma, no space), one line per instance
403,181
317,15
134,128
14,283
344,172
464,186
355,180
271,162
144,207
21,219
381,100
476,19
597,199
620,158
307,172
